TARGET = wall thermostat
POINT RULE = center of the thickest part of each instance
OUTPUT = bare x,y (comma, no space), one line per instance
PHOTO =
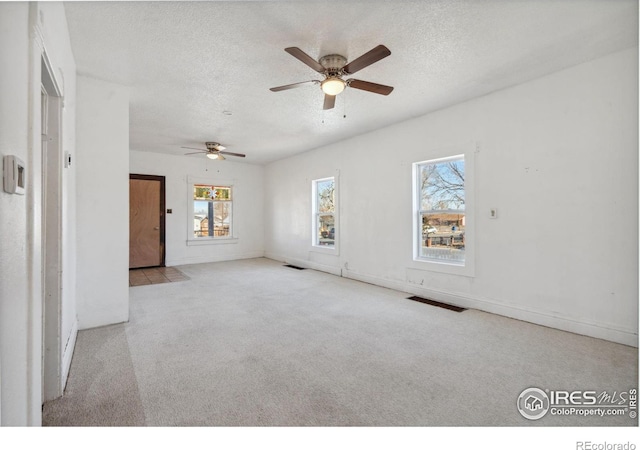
15,175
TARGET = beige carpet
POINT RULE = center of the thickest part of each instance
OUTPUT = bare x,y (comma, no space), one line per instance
254,343
102,388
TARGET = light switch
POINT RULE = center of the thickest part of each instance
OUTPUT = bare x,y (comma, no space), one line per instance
493,213
15,178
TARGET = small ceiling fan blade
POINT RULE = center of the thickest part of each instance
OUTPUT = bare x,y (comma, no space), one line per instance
367,59
292,86
195,153
193,148
329,101
302,56
232,154
370,87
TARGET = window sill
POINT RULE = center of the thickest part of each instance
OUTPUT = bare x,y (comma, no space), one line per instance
432,265
210,241
325,249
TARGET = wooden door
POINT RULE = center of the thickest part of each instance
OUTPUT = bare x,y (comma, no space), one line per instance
146,221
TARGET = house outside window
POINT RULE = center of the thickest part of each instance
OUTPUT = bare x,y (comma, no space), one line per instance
324,213
440,210
212,211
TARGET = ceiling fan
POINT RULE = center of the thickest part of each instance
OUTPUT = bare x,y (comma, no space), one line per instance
214,151
334,68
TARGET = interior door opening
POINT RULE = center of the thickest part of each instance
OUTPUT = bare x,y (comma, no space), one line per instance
53,376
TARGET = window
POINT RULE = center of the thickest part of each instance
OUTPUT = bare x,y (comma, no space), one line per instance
212,211
324,212
441,228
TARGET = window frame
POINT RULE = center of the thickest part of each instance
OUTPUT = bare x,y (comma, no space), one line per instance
315,245
432,264
232,238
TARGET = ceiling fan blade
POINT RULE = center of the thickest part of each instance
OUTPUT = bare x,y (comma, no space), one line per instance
367,59
231,154
370,87
193,148
291,86
329,101
302,56
195,153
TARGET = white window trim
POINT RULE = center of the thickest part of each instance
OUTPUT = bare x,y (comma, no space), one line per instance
433,265
211,240
335,250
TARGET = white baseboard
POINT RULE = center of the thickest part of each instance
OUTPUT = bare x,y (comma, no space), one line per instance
67,354
597,330
306,264
274,257
210,258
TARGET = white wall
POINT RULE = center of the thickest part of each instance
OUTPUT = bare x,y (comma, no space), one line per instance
558,158
102,166
14,305
247,180
26,30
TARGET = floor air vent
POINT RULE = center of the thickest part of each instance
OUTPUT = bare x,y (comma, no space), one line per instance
294,267
438,304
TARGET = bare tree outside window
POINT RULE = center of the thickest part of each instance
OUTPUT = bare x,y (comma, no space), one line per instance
442,185
326,192
441,209
324,213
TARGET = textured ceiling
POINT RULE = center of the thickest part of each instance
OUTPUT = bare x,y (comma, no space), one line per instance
188,62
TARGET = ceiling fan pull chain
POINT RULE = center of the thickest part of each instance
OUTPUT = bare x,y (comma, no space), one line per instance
344,106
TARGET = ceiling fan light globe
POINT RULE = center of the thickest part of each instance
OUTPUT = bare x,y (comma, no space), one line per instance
213,155
333,86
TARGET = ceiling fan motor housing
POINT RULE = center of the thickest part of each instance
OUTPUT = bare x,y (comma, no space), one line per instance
333,63
333,83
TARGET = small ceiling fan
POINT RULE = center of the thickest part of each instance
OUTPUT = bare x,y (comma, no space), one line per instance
214,151
334,68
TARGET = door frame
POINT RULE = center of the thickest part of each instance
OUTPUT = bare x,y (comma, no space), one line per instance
161,179
53,372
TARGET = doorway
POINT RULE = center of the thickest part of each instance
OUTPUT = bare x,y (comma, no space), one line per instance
146,221
53,370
